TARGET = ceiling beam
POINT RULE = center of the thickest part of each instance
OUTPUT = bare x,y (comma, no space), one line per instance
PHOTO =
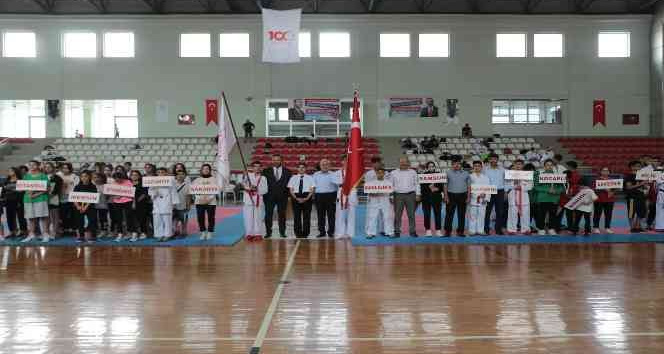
100,5
423,5
583,5
210,6
648,4
474,5
48,6
157,6
316,5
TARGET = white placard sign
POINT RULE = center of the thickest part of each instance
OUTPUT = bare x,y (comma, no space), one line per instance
158,181
559,178
35,186
519,175
204,189
432,178
609,184
119,190
648,175
483,189
375,187
84,197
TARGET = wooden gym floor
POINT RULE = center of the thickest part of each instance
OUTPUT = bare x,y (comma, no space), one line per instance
330,297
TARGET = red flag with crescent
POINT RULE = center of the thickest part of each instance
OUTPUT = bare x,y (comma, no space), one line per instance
211,111
599,112
355,164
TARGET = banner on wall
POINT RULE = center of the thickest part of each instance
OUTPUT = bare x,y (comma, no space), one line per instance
310,109
186,119
211,111
630,119
599,112
281,32
404,107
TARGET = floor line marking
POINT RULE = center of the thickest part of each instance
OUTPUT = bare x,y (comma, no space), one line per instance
265,325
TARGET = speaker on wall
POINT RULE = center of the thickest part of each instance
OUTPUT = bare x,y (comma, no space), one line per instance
53,108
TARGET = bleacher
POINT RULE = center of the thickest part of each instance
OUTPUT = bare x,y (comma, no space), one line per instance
161,151
508,149
293,153
615,153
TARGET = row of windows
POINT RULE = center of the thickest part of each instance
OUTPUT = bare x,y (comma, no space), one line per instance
331,45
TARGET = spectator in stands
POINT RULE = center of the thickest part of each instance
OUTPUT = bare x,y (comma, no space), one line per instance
406,194
77,134
456,194
407,143
532,155
301,188
558,166
547,197
496,176
248,127
604,204
277,195
466,131
116,130
429,110
635,197
326,197
547,155
432,199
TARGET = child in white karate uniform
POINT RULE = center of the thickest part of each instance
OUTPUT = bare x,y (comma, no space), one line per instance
380,206
518,201
344,225
659,213
255,186
478,202
163,200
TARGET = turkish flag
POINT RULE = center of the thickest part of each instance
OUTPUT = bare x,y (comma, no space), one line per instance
354,169
599,112
211,111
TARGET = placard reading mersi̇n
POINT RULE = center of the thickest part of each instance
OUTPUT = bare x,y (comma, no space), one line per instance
378,188
432,178
204,189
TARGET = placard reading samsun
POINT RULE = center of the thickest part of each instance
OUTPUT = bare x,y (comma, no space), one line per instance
378,188
648,175
519,175
119,190
158,181
204,189
483,189
35,186
432,178
609,184
559,178
84,197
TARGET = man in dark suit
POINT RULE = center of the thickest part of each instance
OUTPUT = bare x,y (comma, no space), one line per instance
277,195
429,110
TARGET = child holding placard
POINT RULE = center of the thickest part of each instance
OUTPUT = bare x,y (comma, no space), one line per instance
518,201
163,200
206,205
120,206
604,204
581,205
69,181
379,205
101,207
54,191
86,210
36,204
547,196
478,201
138,219
181,209
635,197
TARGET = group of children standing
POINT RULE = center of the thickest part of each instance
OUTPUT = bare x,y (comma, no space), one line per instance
159,212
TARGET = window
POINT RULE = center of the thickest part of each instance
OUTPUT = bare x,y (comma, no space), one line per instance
613,45
103,116
119,45
80,45
511,45
334,45
23,118
195,45
548,45
526,111
434,45
394,45
74,122
234,45
304,43
19,45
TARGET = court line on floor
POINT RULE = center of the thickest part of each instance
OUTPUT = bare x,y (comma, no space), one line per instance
353,339
265,325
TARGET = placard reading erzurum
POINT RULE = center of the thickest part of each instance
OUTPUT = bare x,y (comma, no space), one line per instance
35,186
483,189
204,189
158,181
84,197
377,187
609,184
519,175
559,178
432,178
119,190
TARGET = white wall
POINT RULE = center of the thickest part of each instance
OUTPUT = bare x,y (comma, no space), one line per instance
473,74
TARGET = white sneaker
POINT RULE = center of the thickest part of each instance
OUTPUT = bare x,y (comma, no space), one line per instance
46,238
143,236
209,235
202,236
29,238
427,233
133,238
608,231
119,238
596,231
438,233
541,232
552,232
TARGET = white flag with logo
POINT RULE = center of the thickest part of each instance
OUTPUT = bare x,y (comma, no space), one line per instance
224,146
281,32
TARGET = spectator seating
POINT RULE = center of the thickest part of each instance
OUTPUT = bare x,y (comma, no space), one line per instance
614,153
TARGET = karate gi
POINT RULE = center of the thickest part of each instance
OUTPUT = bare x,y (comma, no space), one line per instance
163,200
344,225
379,212
252,211
518,202
478,203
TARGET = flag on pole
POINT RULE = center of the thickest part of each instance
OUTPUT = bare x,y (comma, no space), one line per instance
226,141
281,36
355,158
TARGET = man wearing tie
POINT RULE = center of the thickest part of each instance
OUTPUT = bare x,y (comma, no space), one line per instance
430,110
277,195
406,194
301,188
326,198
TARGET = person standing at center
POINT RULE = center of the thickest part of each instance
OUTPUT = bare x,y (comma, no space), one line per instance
301,188
277,195
326,186
407,193
457,195
496,175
